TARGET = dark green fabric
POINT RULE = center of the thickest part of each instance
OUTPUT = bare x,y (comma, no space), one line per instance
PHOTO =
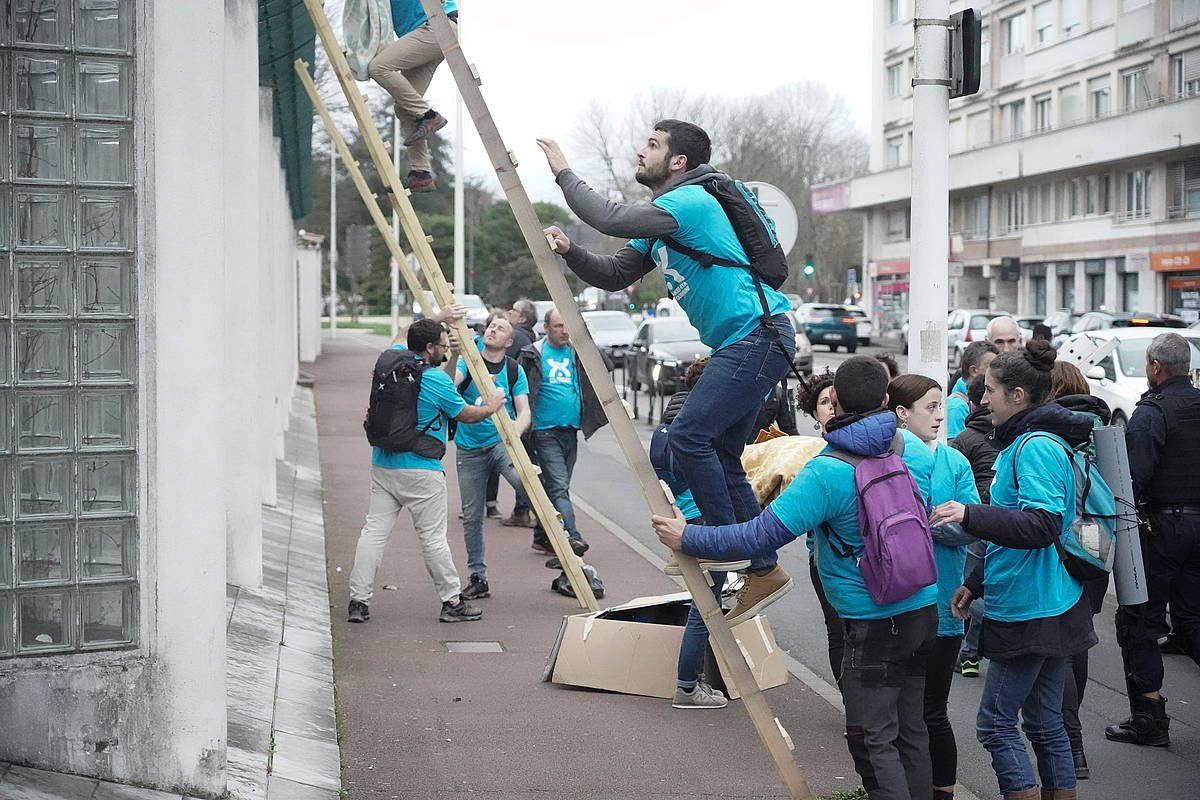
285,33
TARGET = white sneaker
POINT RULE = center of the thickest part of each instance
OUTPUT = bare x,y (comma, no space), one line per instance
672,566
702,696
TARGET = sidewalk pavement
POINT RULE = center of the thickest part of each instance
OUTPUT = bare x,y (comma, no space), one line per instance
282,739
418,721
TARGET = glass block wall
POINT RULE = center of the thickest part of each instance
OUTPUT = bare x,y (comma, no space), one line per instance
68,344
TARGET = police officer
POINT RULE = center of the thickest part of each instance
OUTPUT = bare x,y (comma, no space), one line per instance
1163,439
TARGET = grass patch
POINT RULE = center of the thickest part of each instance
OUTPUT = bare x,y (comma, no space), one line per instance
371,327
855,794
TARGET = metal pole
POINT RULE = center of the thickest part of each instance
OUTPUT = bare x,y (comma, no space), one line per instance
460,284
332,239
396,235
928,301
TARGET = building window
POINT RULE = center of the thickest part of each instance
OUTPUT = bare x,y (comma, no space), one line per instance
1135,195
1100,96
1129,291
1038,290
893,80
1014,34
1095,292
1043,23
1071,15
1184,177
1013,203
1135,87
1046,202
979,129
1103,193
894,155
1185,73
985,45
68,331
975,216
1042,120
897,225
1070,108
1066,291
1012,119
1184,12
893,11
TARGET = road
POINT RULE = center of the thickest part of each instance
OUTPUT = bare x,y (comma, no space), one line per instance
1120,772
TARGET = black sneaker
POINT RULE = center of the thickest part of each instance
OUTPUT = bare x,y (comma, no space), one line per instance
428,124
477,589
359,612
420,181
493,512
460,611
553,563
578,545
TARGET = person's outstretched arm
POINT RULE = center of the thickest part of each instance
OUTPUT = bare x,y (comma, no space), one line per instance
625,268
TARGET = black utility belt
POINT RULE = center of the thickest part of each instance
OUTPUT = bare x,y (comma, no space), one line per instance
1182,508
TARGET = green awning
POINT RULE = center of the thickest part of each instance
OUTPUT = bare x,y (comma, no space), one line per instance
285,33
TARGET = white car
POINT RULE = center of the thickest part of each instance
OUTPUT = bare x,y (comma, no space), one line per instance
863,323
477,311
1120,378
966,325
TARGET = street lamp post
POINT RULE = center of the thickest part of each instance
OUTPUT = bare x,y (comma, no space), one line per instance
332,240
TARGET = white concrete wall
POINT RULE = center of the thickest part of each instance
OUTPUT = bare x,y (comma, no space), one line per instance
309,305
242,290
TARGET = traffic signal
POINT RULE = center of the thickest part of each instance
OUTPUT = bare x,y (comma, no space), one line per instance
809,269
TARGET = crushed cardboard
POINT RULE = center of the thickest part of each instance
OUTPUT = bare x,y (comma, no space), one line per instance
633,648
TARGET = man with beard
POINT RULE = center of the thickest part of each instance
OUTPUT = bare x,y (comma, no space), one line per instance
741,318
416,479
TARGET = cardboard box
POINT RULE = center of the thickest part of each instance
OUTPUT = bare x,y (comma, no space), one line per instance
634,648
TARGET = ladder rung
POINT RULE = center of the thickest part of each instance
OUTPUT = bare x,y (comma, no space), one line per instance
429,238
513,158
475,75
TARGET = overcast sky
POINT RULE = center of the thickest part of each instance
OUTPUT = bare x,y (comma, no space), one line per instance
543,61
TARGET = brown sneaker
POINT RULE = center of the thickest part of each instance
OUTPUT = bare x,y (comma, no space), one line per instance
522,520
419,181
758,592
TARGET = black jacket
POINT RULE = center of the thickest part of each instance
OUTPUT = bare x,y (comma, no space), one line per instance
976,443
1070,632
522,338
591,415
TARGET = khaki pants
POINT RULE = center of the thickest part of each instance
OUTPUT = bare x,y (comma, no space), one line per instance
423,491
405,68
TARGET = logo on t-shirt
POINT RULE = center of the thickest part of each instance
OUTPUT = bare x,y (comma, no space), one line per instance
560,370
676,283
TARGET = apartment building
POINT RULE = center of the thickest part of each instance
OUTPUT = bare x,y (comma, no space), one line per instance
1074,171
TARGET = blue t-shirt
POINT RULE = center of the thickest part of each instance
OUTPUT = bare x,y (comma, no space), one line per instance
721,302
952,480
437,401
477,435
558,402
408,15
824,492
957,409
1021,585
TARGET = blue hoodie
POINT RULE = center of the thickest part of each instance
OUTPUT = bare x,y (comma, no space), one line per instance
823,493
957,409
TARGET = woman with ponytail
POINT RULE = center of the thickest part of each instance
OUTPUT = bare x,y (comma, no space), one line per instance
1036,615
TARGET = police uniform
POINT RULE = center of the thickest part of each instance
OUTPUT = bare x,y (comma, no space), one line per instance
1163,439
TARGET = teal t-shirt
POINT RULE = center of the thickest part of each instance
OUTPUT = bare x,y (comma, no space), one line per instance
957,409
437,401
721,302
952,480
1021,585
558,401
823,492
477,435
683,495
408,15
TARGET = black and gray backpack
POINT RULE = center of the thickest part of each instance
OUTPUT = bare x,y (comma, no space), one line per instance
391,422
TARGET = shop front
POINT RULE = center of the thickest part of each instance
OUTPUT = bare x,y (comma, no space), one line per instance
1182,282
891,294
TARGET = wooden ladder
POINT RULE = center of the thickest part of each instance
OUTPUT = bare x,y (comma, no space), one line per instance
419,242
504,163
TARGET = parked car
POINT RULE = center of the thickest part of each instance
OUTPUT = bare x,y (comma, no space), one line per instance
1027,324
966,325
865,328
595,299
828,324
477,310
612,331
1060,321
1104,320
662,350
1120,378
803,360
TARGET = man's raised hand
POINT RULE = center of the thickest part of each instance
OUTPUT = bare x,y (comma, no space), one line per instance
554,155
449,313
557,239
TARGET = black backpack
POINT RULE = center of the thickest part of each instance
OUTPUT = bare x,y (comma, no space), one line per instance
391,422
753,226
510,367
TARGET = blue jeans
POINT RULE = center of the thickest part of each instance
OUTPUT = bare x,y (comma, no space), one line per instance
708,436
557,449
695,640
970,644
1033,686
474,468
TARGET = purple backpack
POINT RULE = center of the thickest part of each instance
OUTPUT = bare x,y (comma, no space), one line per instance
897,560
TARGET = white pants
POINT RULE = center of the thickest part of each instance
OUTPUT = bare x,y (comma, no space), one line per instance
423,491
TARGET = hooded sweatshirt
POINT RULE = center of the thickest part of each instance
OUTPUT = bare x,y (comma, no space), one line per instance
977,444
1033,604
823,494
